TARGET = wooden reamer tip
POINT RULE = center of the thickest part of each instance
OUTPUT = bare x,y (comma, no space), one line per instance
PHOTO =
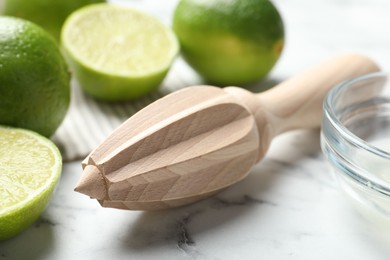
92,183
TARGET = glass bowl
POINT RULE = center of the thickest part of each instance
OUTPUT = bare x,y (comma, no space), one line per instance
355,139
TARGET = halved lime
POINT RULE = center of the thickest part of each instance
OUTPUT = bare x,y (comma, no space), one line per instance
30,167
116,52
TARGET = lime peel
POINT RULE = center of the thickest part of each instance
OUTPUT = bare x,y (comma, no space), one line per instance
229,42
49,14
35,82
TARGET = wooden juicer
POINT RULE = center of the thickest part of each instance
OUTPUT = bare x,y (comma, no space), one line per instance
197,141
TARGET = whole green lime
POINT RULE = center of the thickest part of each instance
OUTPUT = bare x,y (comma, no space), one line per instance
34,89
229,42
50,14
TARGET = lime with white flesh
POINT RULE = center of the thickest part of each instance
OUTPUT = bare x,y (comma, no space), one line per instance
117,53
30,167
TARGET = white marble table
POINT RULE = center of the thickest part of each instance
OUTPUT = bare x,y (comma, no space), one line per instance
289,207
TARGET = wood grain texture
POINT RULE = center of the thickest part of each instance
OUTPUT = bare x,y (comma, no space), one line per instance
197,141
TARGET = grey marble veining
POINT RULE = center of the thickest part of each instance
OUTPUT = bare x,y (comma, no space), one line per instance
289,206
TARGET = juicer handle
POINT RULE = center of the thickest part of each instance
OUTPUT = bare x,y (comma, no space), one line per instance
297,102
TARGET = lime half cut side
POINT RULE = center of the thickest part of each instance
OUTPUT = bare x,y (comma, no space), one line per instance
117,52
30,167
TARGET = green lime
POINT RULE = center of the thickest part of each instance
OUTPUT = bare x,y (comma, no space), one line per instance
30,167
229,42
50,14
117,53
34,89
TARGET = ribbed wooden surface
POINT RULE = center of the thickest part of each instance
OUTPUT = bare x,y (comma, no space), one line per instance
89,121
196,141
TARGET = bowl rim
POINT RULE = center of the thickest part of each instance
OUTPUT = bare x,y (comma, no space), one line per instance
336,123
368,180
